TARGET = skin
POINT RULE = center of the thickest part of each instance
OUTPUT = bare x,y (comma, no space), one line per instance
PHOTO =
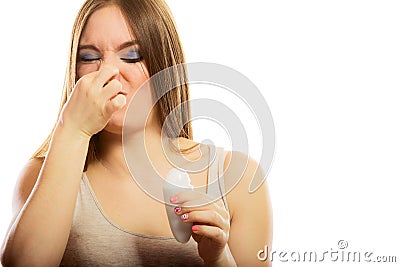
44,198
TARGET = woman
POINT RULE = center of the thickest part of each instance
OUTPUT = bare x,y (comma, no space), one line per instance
76,202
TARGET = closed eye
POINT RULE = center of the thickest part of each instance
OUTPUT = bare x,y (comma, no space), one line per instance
132,60
87,57
130,56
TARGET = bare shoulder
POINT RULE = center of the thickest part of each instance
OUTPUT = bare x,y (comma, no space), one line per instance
251,211
192,149
185,143
239,172
25,183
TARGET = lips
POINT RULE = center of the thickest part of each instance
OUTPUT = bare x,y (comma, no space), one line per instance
119,93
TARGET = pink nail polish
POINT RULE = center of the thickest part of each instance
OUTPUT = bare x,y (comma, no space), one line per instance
177,209
185,216
195,228
173,199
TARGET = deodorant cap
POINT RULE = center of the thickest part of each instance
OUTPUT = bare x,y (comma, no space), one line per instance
179,178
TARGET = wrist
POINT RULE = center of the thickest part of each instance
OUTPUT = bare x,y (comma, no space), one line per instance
225,259
63,132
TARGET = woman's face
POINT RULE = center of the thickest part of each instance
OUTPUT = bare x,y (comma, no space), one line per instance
106,40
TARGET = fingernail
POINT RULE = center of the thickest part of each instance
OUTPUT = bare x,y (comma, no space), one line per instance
185,216
120,100
177,209
173,199
195,228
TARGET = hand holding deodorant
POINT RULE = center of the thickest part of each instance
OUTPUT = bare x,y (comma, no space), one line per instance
177,181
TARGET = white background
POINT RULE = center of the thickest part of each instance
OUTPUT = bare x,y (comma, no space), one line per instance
329,71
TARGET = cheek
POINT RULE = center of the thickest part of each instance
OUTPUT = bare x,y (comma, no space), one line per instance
138,111
133,76
83,69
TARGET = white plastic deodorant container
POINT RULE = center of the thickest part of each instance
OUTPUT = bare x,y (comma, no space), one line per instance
177,181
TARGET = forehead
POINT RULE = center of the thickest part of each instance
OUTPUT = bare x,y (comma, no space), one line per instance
106,28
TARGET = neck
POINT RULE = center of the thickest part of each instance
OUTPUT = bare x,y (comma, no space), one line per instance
111,155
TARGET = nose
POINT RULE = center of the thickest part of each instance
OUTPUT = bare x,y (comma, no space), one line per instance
111,58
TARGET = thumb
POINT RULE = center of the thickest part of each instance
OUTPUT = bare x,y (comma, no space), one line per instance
115,104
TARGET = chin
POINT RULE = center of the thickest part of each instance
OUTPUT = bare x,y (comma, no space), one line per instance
116,122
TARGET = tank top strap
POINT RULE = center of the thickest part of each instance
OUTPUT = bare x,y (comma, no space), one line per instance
215,179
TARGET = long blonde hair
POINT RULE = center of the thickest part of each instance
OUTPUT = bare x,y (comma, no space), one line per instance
154,27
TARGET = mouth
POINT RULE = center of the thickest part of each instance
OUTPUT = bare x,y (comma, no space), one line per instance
119,93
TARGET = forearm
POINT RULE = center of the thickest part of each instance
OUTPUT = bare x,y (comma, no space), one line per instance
40,232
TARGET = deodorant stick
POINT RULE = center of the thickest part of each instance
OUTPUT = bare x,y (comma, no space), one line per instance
177,181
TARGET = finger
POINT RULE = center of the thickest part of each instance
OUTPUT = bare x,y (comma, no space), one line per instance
112,89
194,205
105,74
207,217
114,100
198,201
115,104
190,196
211,232
214,207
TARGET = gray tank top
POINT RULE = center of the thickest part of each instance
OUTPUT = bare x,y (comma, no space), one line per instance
95,240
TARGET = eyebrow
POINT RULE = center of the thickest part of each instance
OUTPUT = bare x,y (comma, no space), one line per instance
120,47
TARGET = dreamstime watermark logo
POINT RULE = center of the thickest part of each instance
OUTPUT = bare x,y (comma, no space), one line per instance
340,254
164,85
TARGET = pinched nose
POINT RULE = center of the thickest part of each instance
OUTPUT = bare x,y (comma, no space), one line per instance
111,59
